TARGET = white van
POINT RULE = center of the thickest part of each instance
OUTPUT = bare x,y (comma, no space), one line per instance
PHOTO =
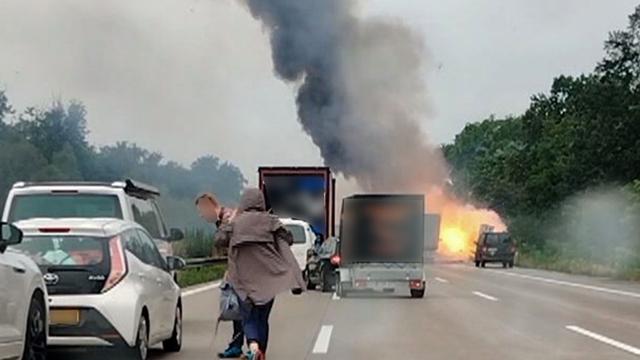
303,239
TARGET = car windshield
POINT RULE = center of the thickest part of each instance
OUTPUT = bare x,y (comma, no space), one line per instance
298,233
64,250
64,206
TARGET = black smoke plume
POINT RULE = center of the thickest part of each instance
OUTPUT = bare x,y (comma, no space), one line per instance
361,95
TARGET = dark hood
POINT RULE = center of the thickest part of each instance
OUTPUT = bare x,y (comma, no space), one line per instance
252,199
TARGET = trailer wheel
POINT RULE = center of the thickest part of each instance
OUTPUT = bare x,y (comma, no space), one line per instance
340,289
417,293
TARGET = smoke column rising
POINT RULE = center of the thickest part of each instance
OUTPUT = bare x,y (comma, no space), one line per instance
361,95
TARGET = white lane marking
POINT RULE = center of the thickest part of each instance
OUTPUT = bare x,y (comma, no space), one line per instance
335,296
322,342
201,289
604,339
439,279
485,296
571,284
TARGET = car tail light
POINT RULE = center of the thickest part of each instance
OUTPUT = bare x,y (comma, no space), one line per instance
118,264
485,249
416,284
513,249
335,260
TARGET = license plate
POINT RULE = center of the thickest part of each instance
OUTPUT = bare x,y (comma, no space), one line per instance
493,250
65,316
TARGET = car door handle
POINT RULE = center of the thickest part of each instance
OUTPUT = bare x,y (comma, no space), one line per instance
18,270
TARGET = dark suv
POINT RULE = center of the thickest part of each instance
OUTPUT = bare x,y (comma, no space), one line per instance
495,247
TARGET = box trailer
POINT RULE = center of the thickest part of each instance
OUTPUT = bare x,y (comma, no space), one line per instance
382,244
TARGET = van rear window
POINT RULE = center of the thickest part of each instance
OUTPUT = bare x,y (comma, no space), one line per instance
498,239
298,233
64,206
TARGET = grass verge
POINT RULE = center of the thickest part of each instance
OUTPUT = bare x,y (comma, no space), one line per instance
200,275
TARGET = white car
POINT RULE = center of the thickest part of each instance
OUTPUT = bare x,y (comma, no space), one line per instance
108,284
303,239
23,307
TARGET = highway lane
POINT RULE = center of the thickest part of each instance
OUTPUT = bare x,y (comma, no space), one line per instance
467,313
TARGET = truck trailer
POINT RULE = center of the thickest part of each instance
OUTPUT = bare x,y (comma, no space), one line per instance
303,193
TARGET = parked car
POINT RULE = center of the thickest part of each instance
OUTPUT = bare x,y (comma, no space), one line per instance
108,284
23,306
322,264
127,200
303,239
495,247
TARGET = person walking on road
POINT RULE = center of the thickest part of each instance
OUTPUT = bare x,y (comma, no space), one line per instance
211,211
261,265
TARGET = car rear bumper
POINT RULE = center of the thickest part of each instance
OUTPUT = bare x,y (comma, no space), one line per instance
83,341
93,329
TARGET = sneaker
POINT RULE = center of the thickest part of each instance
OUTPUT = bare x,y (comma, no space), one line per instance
258,355
230,353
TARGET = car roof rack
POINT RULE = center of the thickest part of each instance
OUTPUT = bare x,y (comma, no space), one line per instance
130,186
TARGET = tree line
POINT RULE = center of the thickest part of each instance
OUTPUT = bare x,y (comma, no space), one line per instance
50,144
579,141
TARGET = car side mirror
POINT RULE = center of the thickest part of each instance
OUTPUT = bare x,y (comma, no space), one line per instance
175,263
175,235
10,235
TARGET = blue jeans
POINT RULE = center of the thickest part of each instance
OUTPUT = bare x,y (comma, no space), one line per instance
256,323
238,335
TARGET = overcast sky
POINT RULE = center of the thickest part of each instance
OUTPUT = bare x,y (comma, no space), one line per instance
189,77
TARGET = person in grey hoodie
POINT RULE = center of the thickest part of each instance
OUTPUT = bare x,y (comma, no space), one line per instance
261,265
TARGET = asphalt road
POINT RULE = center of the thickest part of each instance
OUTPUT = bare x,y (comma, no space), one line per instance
468,313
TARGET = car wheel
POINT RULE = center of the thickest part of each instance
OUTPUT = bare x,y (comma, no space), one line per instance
417,293
35,347
505,264
483,264
174,344
511,264
327,278
477,263
141,349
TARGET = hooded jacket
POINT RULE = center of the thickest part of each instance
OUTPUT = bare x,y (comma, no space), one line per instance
261,263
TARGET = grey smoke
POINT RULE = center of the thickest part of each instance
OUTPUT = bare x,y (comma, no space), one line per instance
361,96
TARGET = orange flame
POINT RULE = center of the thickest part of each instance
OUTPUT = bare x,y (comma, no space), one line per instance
460,223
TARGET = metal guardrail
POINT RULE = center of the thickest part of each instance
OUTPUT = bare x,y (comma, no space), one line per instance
196,262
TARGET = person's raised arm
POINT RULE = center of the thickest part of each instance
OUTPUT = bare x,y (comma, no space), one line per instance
222,237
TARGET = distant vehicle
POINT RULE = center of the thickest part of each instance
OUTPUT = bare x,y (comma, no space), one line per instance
127,200
23,301
303,239
304,193
495,247
322,263
108,284
382,244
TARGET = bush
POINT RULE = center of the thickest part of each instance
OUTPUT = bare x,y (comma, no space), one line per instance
197,243
200,275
